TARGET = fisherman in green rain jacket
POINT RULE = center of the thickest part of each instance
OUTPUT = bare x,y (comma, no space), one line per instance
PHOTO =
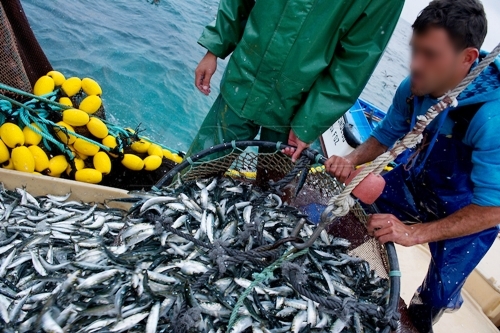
297,66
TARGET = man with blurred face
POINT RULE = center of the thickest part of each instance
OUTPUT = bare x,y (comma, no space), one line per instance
450,183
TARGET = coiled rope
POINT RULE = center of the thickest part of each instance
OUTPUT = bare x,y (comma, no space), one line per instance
33,115
36,116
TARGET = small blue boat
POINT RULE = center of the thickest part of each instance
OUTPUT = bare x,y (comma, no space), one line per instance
352,129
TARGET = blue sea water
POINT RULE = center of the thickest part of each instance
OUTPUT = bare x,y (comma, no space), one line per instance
144,56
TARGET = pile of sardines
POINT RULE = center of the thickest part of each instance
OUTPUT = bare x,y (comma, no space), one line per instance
178,261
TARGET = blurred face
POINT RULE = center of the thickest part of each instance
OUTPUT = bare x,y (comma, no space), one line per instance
436,63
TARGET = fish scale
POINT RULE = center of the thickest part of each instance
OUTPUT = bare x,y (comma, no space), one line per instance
92,269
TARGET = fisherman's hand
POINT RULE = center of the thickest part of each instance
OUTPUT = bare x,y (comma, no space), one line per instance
339,167
293,140
203,73
387,228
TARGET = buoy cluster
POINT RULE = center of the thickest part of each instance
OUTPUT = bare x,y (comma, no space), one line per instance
92,145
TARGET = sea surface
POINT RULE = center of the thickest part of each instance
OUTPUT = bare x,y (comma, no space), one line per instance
144,56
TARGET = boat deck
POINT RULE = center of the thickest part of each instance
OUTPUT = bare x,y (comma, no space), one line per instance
470,318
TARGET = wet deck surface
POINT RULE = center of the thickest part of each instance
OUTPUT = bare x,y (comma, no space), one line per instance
470,318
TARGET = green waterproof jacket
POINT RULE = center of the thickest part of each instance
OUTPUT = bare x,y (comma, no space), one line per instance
299,64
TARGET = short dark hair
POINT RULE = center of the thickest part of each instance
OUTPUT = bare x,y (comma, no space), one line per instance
464,21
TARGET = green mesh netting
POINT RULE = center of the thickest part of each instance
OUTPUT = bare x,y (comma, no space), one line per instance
319,187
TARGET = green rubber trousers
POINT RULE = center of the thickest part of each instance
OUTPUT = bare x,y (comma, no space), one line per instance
222,125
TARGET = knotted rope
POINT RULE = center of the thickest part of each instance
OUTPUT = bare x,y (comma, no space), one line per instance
341,204
34,113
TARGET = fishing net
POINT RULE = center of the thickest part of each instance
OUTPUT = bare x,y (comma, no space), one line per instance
318,189
244,163
23,61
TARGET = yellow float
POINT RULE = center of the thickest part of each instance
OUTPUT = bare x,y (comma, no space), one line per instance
90,104
102,163
57,165
152,162
132,162
11,135
58,78
31,138
23,159
98,129
41,158
91,87
72,86
43,86
75,117
88,175
56,145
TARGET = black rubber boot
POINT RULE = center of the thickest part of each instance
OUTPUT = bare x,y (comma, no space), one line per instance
420,316
423,316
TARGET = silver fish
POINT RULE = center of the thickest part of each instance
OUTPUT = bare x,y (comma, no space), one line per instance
97,278
242,324
49,325
128,322
153,317
299,321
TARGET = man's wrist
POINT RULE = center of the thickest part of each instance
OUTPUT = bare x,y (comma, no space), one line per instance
210,55
351,159
420,233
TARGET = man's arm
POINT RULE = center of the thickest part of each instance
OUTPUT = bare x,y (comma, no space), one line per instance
357,55
484,211
341,167
394,125
467,221
221,36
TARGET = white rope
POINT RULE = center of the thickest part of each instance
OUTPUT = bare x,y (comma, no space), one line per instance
341,204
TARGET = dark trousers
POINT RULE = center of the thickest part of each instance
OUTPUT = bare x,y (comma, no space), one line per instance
222,125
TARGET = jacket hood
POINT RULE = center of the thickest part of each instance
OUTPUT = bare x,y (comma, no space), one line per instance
486,87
